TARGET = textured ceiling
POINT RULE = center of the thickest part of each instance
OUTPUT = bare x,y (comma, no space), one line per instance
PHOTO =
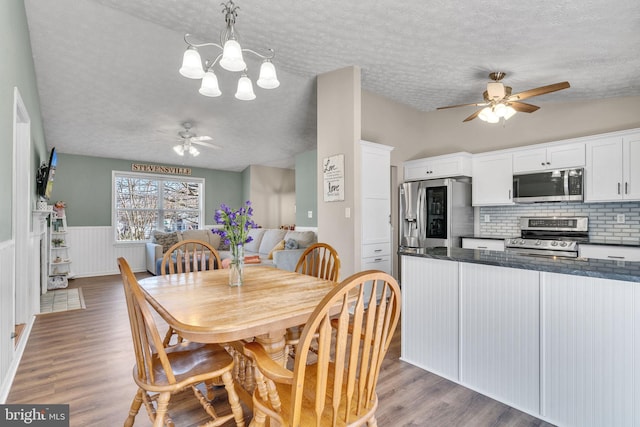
109,86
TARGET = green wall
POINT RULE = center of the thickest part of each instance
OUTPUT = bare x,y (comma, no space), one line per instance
84,183
16,70
306,188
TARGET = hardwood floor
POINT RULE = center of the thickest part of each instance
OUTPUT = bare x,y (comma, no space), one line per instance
85,357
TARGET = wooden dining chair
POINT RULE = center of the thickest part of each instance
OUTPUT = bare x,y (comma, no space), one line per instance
161,372
190,255
319,260
337,387
184,257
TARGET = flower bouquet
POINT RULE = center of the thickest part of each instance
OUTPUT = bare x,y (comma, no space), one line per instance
235,233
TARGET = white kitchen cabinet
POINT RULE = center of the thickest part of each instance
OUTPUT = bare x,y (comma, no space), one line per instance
430,315
447,166
555,157
587,349
376,206
483,244
621,253
492,179
613,169
500,333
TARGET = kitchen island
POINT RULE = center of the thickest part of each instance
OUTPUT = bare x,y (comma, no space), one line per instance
554,337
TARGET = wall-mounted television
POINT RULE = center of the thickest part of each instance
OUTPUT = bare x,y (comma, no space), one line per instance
46,175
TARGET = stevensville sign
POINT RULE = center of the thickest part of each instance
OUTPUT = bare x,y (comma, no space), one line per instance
173,170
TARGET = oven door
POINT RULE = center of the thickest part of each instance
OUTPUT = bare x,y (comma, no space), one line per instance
542,252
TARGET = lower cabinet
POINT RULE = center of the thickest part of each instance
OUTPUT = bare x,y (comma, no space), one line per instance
560,347
499,334
588,355
430,315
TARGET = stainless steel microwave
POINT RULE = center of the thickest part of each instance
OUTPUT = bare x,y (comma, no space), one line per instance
549,186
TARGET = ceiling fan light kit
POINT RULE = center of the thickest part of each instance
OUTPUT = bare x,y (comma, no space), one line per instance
231,59
188,139
500,103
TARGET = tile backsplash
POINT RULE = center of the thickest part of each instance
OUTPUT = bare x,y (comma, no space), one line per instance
603,219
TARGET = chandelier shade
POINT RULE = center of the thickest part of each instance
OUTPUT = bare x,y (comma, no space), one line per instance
231,58
245,89
209,85
268,78
192,64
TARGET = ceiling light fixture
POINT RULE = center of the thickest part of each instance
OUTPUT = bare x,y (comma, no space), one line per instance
186,147
230,59
496,111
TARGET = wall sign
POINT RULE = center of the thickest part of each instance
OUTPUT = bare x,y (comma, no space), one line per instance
333,173
173,170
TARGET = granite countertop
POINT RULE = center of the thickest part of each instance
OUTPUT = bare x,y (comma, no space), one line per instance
599,268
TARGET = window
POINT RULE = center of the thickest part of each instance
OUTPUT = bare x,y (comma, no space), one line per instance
144,203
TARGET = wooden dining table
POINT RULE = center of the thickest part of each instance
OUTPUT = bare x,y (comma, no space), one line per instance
202,307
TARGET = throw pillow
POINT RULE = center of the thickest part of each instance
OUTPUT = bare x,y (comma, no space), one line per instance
165,239
291,244
278,247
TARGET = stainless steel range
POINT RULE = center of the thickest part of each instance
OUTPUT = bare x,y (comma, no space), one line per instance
551,236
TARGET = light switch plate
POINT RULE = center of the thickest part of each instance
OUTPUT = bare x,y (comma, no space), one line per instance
309,214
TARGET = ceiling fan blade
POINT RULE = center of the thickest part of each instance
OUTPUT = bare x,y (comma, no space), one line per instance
539,91
477,104
206,144
201,138
473,116
523,107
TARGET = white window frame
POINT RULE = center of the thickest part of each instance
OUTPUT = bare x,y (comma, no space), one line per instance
155,177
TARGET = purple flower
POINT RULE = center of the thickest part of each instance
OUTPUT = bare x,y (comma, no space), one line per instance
235,224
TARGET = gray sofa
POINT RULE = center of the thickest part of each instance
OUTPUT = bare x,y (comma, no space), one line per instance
263,243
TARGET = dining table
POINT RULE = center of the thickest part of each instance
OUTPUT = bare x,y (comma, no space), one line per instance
202,307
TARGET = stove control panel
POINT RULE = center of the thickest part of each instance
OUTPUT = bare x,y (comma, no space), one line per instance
542,244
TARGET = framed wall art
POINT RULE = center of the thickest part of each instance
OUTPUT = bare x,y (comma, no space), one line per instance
333,177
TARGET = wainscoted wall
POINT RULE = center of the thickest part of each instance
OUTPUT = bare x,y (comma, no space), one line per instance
603,225
94,252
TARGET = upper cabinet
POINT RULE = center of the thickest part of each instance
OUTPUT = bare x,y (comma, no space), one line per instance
613,169
492,179
448,166
556,157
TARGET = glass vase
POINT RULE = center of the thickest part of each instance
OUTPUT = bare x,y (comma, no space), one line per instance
236,269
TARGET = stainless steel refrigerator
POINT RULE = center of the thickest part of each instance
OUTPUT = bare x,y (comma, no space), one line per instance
435,212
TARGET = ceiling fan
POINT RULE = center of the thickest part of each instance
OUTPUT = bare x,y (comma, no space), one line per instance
499,102
189,138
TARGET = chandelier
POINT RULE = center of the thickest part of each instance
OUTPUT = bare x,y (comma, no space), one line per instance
230,59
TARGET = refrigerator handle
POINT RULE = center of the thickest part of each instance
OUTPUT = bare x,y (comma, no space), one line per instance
422,214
